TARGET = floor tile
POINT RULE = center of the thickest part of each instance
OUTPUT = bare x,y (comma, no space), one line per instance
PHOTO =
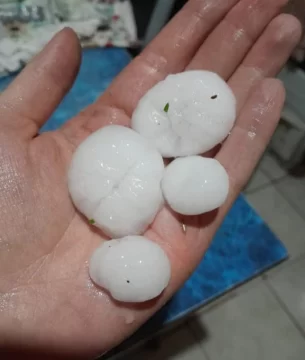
229,295
281,217
178,344
293,189
251,326
137,354
270,166
257,180
181,345
289,284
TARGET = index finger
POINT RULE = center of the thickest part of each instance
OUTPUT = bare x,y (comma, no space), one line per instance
169,52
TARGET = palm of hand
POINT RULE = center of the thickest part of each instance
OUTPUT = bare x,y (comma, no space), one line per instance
46,297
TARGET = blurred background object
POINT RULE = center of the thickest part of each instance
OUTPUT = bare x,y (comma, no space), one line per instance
288,142
27,25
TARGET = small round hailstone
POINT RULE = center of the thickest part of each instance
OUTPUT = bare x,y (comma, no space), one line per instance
132,269
114,180
186,114
194,185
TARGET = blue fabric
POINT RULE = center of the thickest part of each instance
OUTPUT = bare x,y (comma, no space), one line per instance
99,67
243,246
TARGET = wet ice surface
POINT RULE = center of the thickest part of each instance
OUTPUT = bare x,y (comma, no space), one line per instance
132,269
186,114
114,180
195,185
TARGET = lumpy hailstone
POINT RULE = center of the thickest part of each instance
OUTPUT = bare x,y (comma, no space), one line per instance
186,114
132,269
194,185
114,179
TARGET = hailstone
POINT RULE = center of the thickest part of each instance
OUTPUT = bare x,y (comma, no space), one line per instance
114,180
132,269
186,114
194,185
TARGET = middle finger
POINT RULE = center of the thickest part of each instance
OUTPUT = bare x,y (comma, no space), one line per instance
267,56
227,45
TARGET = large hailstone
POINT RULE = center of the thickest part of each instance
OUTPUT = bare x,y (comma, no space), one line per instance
186,114
132,269
194,185
114,180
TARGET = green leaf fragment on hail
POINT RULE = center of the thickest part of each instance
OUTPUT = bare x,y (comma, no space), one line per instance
166,107
92,221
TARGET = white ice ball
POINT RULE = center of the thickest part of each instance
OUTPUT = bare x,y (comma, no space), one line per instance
194,185
186,114
114,179
132,269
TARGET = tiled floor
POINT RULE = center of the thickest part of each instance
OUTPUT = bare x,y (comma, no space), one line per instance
264,319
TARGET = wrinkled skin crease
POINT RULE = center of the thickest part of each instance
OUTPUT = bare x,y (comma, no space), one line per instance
48,305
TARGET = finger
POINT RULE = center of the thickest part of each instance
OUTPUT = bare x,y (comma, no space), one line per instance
32,97
227,45
241,152
170,52
267,56
252,132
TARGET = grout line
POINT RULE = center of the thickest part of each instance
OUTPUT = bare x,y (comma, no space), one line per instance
285,265
257,188
273,180
198,341
279,179
289,201
274,183
285,308
205,353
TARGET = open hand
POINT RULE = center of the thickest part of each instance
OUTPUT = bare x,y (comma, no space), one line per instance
47,301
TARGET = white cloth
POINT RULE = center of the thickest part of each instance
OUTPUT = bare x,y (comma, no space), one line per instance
84,17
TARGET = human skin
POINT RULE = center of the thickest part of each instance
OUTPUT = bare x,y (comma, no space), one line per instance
47,303
297,8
